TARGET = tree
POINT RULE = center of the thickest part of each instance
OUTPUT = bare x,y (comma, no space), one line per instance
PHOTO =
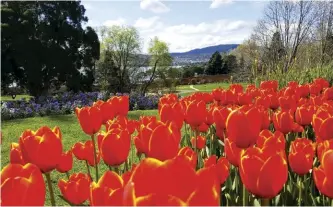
122,44
214,64
44,45
230,64
160,60
293,20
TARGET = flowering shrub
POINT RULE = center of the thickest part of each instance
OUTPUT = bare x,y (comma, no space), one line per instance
195,155
65,103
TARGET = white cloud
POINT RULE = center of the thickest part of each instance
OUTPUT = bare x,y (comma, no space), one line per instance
217,3
184,37
120,21
146,23
154,5
87,6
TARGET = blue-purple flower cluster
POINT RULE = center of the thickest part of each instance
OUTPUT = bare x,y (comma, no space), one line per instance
65,103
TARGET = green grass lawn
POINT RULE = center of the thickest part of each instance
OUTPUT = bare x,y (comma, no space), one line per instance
72,133
18,97
206,87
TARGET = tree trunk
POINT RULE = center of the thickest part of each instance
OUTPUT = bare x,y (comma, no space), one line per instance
151,79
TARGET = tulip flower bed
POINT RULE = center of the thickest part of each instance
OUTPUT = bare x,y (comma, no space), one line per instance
253,146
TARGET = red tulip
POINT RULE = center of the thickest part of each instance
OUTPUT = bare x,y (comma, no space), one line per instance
288,103
243,126
268,139
172,113
301,154
328,93
324,146
90,119
257,167
120,104
244,99
232,152
198,142
304,115
66,162
22,185
284,122
106,110
76,189
190,155
323,175
15,156
220,115
236,88
85,151
322,123
42,148
221,165
151,174
196,113
108,191
115,147
164,141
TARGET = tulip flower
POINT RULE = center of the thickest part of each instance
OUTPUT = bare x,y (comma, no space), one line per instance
328,93
15,156
85,151
172,113
324,146
22,185
178,179
115,146
108,191
196,113
304,114
190,155
267,138
198,142
243,126
273,101
222,167
42,148
322,122
164,141
236,88
229,97
220,115
288,103
315,89
120,104
203,128
106,110
323,175
66,162
284,122
301,154
232,152
127,175
244,99
76,190
263,171
322,83
90,119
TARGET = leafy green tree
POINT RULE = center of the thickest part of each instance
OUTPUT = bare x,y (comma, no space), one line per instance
44,45
214,64
230,64
122,45
160,60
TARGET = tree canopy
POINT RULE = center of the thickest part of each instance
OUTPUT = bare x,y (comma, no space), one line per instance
44,45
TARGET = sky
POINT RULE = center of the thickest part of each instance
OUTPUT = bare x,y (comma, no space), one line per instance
184,25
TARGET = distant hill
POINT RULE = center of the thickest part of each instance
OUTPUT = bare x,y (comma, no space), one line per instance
207,50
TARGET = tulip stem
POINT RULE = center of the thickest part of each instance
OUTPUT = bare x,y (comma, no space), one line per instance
132,152
49,183
245,196
95,154
67,175
265,202
299,191
88,169
332,202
